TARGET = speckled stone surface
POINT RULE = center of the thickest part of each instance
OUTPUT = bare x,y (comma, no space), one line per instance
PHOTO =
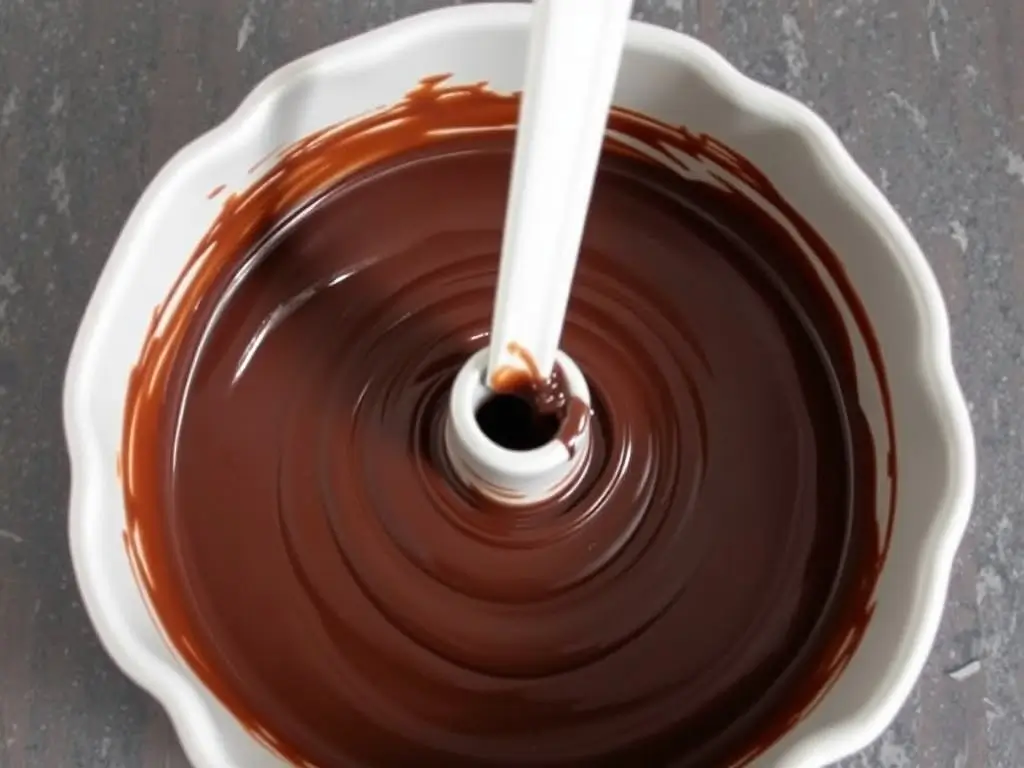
95,96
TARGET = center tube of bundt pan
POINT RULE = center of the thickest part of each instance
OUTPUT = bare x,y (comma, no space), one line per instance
518,428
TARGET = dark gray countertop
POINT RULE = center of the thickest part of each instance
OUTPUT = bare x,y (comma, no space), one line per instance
96,95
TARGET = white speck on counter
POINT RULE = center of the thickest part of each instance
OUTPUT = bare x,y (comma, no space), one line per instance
968,670
892,754
988,583
57,102
246,29
933,38
9,108
934,5
60,195
8,282
934,41
793,46
959,234
1014,163
915,114
11,536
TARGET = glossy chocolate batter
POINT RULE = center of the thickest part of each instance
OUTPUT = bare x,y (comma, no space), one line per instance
304,544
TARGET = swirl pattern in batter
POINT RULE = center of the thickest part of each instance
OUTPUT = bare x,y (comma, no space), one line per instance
311,555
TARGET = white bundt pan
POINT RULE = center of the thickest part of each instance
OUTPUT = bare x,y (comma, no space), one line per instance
667,76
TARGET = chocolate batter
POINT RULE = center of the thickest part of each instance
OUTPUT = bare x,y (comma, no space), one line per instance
305,546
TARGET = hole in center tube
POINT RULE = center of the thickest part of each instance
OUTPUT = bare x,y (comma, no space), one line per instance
514,423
